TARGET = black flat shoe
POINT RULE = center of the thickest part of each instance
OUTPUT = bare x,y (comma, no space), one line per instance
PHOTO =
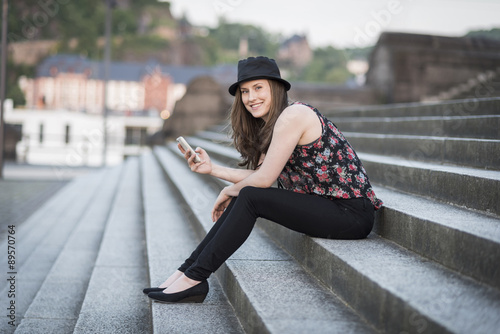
148,290
196,294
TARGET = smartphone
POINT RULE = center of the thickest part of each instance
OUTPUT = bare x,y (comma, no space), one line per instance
187,147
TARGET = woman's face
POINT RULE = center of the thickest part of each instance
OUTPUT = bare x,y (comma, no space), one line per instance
256,96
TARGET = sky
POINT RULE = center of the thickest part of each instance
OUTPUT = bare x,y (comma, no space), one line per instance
346,23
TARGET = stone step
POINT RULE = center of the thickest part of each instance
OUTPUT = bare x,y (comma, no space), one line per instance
454,237
472,188
469,152
169,241
221,138
225,153
439,231
54,222
41,222
474,118
270,292
491,90
114,302
482,127
395,289
50,312
467,187
488,86
221,128
462,107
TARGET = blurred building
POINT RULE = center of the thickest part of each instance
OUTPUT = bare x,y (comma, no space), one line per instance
295,52
62,121
68,138
75,83
358,68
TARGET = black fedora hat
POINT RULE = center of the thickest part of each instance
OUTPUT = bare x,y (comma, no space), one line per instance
254,68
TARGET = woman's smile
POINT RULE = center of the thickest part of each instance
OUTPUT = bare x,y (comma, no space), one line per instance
255,106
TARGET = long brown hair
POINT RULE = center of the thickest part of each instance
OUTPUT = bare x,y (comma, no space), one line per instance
252,136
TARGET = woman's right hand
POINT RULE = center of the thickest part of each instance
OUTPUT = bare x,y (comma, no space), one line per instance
202,167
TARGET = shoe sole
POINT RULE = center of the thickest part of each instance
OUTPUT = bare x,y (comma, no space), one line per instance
190,299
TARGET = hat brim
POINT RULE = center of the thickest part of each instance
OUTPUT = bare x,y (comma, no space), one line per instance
232,89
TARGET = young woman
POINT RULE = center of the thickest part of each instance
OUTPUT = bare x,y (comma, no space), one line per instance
323,190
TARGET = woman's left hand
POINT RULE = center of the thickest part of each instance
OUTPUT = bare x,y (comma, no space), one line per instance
221,203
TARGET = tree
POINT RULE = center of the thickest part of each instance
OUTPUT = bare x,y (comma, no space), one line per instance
85,22
31,20
328,65
491,34
13,90
228,36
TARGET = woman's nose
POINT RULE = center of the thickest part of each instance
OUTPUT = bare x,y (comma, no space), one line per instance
251,95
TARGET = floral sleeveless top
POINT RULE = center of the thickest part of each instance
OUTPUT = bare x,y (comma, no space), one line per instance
327,167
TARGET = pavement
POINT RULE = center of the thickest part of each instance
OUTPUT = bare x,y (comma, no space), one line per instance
25,188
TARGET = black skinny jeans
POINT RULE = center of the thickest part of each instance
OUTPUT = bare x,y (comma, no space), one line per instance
309,214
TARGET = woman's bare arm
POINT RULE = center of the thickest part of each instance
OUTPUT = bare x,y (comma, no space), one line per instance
296,124
205,166
233,175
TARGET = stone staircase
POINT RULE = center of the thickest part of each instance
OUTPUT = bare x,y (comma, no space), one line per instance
431,264
484,84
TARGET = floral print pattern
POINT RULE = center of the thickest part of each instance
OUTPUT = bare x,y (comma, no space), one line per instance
327,167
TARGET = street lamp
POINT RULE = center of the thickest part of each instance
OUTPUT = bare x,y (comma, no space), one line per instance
5,8
107,59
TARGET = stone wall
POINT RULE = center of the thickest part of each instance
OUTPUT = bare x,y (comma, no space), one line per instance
327,97
409,67
205,103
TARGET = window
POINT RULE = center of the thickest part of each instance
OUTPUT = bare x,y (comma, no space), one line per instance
40,134
67,134
135,136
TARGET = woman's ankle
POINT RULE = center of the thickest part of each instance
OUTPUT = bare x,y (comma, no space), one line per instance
181,284
171,279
